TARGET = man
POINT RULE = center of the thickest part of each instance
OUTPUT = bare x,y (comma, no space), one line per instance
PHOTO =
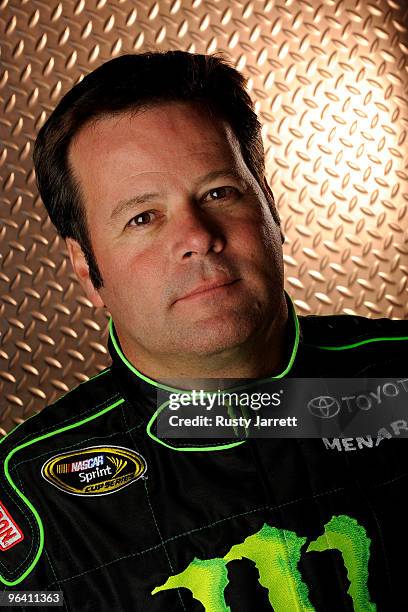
152,169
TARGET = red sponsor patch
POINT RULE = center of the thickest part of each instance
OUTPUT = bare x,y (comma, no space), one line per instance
10,532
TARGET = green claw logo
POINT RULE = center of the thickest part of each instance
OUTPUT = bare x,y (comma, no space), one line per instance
276,554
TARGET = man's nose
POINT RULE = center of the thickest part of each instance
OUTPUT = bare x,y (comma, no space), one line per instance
194,234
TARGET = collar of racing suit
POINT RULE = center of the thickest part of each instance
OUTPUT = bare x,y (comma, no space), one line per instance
142,392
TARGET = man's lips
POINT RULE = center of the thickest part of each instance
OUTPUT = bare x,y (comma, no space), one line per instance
206,288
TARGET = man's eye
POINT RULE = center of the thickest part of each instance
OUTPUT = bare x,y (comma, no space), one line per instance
219,193
143,218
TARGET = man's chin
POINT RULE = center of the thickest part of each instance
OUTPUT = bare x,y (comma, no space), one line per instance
214,336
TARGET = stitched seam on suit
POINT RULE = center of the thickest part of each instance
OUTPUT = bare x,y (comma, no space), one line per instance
18,475
16,498
387,482
377,364
150,505
197,529
74,445
79,417
162,541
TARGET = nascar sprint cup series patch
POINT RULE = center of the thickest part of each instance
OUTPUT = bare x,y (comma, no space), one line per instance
96,470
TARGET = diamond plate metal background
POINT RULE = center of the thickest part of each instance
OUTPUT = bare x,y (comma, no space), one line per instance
330,79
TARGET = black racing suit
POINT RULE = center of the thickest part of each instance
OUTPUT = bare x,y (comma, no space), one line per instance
271,524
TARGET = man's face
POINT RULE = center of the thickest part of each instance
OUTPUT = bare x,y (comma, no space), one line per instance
172,211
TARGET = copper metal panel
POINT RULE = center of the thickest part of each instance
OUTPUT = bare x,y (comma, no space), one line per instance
330,79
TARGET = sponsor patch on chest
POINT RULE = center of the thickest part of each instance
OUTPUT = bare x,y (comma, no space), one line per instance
96,470
10,532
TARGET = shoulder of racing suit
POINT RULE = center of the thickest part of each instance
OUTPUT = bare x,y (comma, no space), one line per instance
19,520
77,404
342,330
350,345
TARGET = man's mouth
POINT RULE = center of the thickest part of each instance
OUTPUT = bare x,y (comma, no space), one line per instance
206,289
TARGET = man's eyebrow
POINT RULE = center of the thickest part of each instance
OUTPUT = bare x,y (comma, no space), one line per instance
215,174
125,205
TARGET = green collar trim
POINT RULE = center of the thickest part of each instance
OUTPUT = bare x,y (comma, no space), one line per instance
154,383
174,390
355,344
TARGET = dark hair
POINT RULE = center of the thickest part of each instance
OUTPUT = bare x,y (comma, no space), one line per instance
131,82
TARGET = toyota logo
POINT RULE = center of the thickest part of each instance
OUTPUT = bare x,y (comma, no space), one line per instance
324,407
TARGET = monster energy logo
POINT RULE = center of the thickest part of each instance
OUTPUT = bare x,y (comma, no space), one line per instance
276,554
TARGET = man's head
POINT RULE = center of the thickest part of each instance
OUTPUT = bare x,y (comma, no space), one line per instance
152,168
132,83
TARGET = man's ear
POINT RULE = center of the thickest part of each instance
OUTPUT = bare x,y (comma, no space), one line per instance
271,200
81,270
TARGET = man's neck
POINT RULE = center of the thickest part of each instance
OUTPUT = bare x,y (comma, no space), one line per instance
265,355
